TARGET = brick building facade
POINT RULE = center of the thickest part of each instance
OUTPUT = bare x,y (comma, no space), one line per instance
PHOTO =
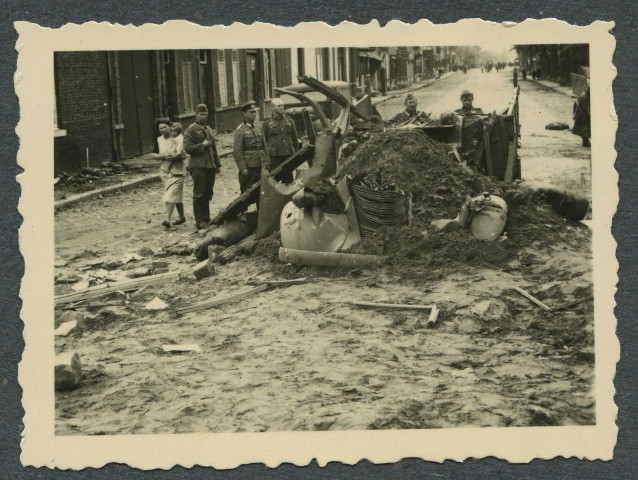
106,102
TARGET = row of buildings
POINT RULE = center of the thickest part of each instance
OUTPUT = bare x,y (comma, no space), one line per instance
106,101
563,63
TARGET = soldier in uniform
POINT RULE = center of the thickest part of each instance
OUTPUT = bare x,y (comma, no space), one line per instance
249,148
204,164
467,98
582,120
281,137
410,114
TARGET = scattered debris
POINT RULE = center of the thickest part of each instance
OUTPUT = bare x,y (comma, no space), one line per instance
139,272
231,232
145,252
66,278
204,269
393,306
214,250
131,257
533,299
158,267
66,328
328,259
81,285
239,296
156,304
67,371
125,286
434,315
557,126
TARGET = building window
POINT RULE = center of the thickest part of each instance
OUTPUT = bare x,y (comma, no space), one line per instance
166,57
203,57
57,132
236,79
269,72
221,74
187,81
319,65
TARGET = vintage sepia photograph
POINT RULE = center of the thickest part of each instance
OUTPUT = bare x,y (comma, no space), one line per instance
388,237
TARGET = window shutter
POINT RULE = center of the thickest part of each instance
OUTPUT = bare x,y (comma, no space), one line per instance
221,73
187,81
236,80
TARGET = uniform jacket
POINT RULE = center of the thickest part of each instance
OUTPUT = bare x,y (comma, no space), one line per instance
582,122
249,146
404,117
474,111
281,135
201,156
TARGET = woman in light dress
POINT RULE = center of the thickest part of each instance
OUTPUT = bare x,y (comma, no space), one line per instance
170,151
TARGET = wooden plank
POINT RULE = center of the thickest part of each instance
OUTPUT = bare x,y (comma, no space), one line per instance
278,283
532,299
488,151
224,300
511,155
123,286
393,306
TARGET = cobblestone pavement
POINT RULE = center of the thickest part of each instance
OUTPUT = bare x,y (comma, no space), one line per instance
126,221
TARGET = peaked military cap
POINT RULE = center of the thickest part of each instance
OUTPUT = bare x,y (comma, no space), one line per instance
251,105
201,108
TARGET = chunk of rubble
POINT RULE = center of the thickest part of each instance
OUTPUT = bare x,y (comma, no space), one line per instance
69,316
131,257
145,251
490,310
158,267
156,304
66,328
204,269
139,272
67,371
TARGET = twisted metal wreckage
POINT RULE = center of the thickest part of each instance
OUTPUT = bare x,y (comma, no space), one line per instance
310,236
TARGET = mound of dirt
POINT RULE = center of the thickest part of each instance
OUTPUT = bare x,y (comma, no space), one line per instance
409,161
414,163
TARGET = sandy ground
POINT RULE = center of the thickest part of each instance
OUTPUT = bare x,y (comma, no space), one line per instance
302,357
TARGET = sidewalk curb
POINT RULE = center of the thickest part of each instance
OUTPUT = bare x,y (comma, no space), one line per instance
104,191
552,88
121,187
403,92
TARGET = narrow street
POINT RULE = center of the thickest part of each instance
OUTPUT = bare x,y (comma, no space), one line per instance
301,358
551,156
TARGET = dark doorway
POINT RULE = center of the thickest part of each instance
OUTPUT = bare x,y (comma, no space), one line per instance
137,102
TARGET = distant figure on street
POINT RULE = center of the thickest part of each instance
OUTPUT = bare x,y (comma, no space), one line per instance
515,79
170,152
281,137
204,165
410,115
524,73
467,98
249,148
582,119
